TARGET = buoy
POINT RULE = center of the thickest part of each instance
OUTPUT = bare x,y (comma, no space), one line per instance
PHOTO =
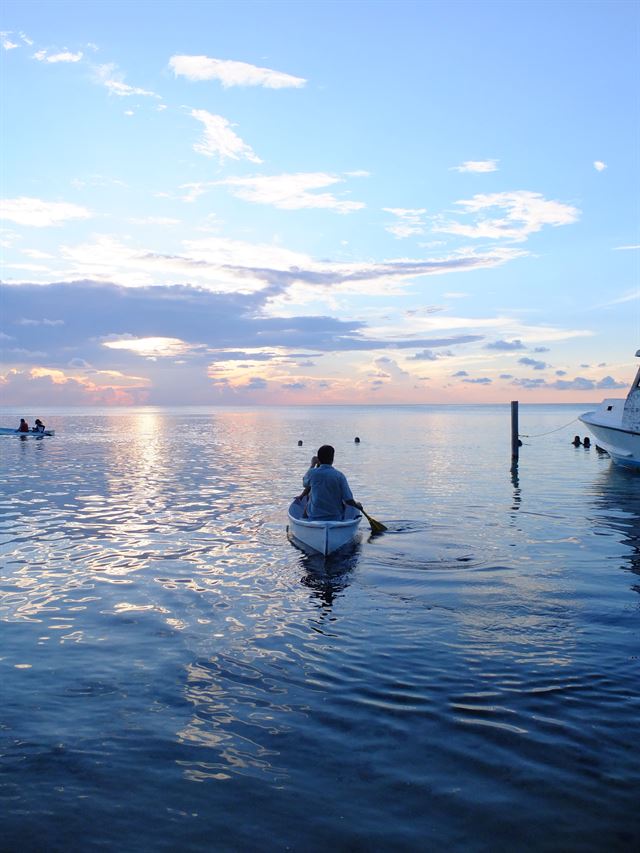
300,443
356,440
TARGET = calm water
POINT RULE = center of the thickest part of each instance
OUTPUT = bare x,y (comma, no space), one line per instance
175,675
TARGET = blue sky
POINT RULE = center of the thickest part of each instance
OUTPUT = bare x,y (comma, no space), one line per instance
354,202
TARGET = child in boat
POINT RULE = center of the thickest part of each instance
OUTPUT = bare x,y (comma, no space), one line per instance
39,427
327,488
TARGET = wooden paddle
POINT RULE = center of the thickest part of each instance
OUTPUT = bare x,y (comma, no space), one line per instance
376,526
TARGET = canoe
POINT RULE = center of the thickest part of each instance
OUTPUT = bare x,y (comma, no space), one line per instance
323,537
9,431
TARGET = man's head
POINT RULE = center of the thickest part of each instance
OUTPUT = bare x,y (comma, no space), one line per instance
326,454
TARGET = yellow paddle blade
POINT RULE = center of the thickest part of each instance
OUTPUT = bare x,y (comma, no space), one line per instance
376,526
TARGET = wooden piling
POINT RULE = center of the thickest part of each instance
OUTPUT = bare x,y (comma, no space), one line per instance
515,440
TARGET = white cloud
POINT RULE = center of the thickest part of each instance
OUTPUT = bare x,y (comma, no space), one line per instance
626,248
292,192
63,56
109,76
26,321
37,253
149,347
477,166
153,220
410,221
39,213
232,73
224,265
27,267
219,139
97,181
6,42
25,38
631,296
525,213
599,166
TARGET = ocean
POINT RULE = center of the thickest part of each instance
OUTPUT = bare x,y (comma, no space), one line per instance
176,675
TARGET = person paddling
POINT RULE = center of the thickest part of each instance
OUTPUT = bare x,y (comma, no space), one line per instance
39,427
327,488
24,426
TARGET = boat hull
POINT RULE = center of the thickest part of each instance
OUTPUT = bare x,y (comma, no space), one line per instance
9,431
323,537
622,445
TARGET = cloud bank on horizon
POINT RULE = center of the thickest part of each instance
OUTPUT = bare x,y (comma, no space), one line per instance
234,217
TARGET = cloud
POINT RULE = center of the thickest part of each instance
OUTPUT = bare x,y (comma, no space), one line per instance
525,213
460,373
24,321
541,349
580,383
149,346
255,383
42,386
506,346
482,380
633,247
291,191
428,355
531,362
232,73
219,139
632,296
425,355
506,376
477,166
121,328
599,166
410,221
6,42
113,80
154,220
222,264
39,213
294,386
63,56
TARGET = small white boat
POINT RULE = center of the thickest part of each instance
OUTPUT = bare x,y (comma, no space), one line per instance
325,537
616,426
32,432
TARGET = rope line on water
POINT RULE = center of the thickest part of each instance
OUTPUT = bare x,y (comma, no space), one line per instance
538,435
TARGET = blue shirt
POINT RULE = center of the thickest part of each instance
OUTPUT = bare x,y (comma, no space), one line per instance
329,489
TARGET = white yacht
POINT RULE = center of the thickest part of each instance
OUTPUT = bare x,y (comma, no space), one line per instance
616,426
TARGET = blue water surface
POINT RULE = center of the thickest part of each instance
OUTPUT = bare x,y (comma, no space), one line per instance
176,675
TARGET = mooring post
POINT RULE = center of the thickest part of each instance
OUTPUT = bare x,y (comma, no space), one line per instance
515,440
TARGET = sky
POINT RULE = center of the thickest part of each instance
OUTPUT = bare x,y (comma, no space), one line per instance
318,202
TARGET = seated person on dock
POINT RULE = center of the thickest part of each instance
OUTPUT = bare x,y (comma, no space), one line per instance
24,426
327,488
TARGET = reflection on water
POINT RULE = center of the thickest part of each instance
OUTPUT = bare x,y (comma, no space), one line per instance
465,679
616,501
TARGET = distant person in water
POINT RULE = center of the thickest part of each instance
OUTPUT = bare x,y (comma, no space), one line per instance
576,441
327,488
586,441
39,427
24,426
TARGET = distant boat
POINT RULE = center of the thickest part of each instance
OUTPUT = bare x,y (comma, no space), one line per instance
32,432
324,537
616,426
